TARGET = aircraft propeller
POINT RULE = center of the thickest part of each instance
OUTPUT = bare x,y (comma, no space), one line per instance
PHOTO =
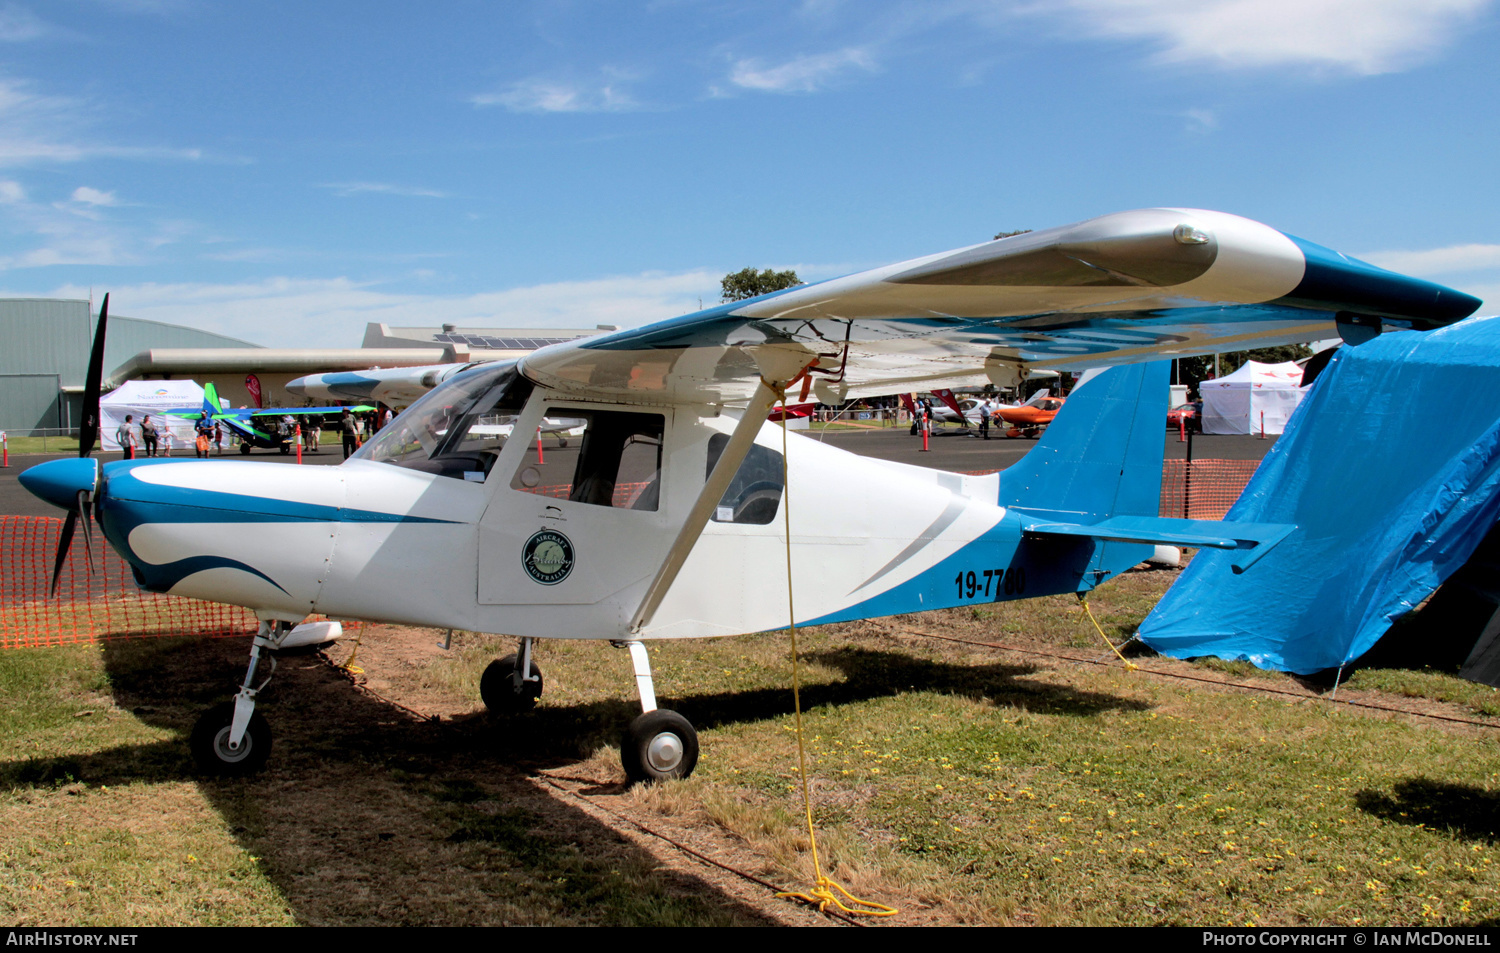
72,486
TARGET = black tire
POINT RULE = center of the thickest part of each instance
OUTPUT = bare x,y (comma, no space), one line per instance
245,449
659,746
499,691
209,743
286,448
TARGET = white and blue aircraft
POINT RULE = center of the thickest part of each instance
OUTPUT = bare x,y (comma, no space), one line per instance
671,517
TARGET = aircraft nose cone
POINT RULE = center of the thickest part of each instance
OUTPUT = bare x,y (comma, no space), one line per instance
58,481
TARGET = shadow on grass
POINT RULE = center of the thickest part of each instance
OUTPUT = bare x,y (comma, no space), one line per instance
370,815
1464,810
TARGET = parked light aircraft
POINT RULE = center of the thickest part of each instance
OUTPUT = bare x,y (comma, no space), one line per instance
1031,418
266,429
671,517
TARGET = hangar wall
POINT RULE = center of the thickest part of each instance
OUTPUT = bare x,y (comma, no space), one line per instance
44,356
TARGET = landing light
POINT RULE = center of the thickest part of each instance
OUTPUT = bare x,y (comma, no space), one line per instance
1190,235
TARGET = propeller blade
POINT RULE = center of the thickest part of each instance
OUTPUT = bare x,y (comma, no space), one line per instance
88,429
85,505
62,547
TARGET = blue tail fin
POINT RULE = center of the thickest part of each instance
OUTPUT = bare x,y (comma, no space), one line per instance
211,400
1102,455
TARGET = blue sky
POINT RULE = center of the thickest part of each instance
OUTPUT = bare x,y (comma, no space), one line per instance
286,172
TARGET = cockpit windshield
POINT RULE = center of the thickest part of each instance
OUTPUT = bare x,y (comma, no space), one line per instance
458,429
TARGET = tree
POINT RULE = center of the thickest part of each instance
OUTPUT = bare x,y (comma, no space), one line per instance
747,283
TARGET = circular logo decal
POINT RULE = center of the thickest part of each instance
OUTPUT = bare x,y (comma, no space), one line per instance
548,557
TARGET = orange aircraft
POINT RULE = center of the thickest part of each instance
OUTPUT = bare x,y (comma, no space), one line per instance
1032,417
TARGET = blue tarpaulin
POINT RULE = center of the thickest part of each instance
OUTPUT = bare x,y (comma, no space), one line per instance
1390,469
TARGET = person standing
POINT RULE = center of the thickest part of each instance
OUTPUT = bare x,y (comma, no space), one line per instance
219,437
125,435
148,435
984,418
350,431
203,431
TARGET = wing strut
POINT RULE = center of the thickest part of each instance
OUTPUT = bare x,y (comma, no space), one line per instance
734,454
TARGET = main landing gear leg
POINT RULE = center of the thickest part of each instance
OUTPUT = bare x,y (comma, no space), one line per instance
233,738
512,684
660,744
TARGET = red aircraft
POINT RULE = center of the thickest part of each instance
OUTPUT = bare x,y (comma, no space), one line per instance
1032,417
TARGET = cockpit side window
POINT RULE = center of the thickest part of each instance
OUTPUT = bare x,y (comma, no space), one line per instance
617,463
458,429
754,495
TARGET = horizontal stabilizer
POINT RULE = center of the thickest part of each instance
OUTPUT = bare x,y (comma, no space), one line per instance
1254,540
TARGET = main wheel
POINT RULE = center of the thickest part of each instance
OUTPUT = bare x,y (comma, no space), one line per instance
658,746
209,743
499,690
245,449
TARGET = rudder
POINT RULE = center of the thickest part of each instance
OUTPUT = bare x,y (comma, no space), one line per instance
1102,454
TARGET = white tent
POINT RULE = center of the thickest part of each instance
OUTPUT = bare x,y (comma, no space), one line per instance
1257,398
139,398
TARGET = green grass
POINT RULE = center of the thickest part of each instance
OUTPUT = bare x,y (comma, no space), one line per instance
55,444
146,849
1480,699
993,788
1011,792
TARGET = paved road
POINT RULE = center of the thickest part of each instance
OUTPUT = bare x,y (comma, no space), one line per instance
950,450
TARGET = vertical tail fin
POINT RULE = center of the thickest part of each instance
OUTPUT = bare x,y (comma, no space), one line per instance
211,405
1102,454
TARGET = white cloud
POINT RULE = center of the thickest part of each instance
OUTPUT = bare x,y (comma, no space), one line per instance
1438,261
345,189
554,96
1201,120
18,24
39,128
1358,36
88,196
11,192
804,74
288,312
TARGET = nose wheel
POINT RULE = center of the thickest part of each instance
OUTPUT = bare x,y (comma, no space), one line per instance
233,739
215,753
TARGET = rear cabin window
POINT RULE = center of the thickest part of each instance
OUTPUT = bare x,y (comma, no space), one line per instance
615,462
754,494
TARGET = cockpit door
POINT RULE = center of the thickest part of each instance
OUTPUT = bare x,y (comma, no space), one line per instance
579,517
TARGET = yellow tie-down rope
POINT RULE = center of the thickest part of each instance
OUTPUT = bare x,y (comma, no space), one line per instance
822,894
349,665
1083,597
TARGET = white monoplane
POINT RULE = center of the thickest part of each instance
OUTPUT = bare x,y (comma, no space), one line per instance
671,517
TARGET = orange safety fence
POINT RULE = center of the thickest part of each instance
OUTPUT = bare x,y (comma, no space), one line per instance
1207,494
1204,489
106,603
89,606
623,498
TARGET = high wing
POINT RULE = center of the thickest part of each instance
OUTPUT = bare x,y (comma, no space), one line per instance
1121,288
308,411
390,385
